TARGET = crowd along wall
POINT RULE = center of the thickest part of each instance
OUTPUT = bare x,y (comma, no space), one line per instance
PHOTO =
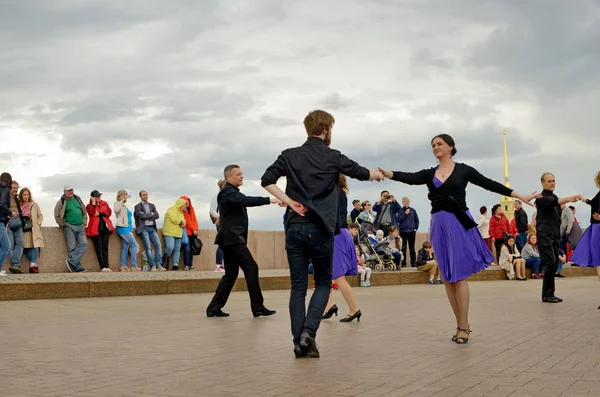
267,247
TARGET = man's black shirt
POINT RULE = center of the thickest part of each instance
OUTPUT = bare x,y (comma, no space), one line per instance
312,171
548,214
521,221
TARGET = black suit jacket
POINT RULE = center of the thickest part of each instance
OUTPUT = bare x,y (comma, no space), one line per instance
140,216
234,218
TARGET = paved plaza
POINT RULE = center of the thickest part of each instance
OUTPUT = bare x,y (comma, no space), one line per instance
165,346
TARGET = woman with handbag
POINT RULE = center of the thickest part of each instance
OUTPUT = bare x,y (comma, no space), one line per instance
99,227
31,221
124,230
190,234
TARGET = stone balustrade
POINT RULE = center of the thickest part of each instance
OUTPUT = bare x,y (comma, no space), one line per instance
268,248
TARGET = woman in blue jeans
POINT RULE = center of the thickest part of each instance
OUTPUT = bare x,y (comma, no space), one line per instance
5,213
124,230
532,256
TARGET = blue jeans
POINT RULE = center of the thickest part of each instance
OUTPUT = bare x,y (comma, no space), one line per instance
32,254
560,265
305,242
150,235
15,235
521,240
185,247
173,246
128,242
533,264
76,244
4,244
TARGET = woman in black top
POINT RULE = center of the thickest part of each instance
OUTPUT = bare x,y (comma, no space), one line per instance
587,252
5,213
459,248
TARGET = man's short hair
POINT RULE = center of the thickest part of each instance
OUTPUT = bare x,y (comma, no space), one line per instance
518,201
353,226
14,183
317,121
543,178
384,191
229,169
355,201
426,244
572,208
405,198
140,193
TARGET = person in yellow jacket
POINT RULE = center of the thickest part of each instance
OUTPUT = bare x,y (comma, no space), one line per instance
172,231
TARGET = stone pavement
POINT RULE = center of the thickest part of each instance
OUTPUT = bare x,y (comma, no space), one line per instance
165,346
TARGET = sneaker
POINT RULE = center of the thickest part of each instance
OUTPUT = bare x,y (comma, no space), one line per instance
368,283
154,269
160,268
431,282
192,268
69,266
106,270
219,269
146,268
2,273
135,269
34,269
363,284
125,269
439,282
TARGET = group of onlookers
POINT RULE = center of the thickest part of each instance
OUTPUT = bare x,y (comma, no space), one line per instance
22,218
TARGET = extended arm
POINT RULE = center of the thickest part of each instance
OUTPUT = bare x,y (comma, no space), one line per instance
235,197
410,178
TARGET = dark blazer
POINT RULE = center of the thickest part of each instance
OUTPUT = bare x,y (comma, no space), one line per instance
140,216
234,218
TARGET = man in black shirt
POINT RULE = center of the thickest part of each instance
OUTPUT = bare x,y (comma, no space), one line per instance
232,238
312,171
548,233
522,225
355,211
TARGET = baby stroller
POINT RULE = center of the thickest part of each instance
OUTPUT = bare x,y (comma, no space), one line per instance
375,261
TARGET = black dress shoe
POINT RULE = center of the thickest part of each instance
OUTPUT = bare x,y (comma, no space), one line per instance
551,299
299,351
217,313
559,275
558,299
309,344
264,312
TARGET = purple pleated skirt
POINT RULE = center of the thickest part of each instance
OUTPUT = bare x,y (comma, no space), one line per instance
459,252
587,251
344,255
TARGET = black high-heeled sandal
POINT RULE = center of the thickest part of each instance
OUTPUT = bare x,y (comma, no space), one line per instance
332,310
461,340
349,318
458,329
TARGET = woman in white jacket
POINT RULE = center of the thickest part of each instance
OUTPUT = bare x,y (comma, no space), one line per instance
511,260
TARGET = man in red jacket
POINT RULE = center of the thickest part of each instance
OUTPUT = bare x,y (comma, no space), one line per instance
498,226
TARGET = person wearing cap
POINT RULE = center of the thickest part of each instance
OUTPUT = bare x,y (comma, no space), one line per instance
125,231
99,227
71,216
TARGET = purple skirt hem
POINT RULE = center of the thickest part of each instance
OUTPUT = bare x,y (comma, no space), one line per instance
587,251
344,255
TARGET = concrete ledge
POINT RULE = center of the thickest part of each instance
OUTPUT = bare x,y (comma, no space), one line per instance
88,285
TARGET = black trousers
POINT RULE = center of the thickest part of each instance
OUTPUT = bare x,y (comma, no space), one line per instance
408,239
236,257
385,228
101,245
498,245
548,246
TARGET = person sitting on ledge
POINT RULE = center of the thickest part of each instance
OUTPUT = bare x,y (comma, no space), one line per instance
511,260
426,263
363,270
532,256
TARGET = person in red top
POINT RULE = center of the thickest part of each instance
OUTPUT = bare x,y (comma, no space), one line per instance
512,228
498,226
99,227
190,231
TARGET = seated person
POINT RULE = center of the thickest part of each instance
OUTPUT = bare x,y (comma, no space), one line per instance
531,254
394,242
511,260
363,271
367,214
426,263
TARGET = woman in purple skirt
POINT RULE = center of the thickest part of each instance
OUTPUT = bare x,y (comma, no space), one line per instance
345,262
459,248
587,252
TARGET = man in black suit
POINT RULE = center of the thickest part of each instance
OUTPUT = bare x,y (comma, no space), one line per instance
548,233
232,238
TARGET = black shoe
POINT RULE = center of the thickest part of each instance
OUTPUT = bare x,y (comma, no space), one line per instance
299,351
559,275
217,313
175,268
332,310
559,299
348,319
310,345
264,312
165,261
14,269
551,299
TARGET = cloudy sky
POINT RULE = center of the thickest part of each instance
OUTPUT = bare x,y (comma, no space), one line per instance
161,95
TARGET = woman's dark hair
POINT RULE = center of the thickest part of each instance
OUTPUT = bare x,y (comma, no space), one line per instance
6,178
483,209
510,249
494,208
449,141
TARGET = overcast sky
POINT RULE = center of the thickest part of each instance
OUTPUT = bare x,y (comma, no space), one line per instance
161,95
